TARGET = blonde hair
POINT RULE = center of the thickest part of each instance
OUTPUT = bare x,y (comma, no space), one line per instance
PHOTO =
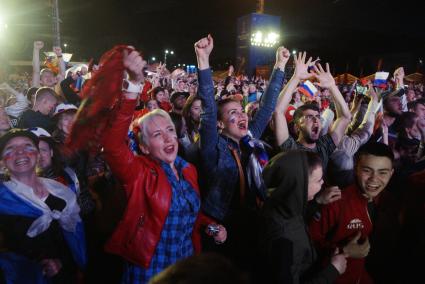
145,120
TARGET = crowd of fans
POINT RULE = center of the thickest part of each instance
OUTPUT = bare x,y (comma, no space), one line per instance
118,171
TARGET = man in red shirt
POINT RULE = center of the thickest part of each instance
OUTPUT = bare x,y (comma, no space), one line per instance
347,223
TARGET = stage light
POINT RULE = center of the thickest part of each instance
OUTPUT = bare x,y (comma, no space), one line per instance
263,39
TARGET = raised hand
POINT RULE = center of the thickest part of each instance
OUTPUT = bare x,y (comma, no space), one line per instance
221,236
51,267
355,250
203,48
329,195
339,261
282,57
231,70
399,76
38,45
301,67
57,50
134,64
371,93
326,80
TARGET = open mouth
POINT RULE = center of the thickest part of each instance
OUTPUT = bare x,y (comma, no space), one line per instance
21,162
169,149
315,130
242,124
372,187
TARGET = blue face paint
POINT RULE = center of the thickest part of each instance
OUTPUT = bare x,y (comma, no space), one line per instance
232,119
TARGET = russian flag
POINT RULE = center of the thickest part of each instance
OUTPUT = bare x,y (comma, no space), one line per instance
381,79
308,89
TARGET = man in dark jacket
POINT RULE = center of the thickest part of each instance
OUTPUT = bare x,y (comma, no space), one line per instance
39,115
288,256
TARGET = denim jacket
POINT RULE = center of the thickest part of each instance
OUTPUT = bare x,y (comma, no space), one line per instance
219,169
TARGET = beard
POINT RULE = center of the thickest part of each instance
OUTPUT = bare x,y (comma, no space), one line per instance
307,137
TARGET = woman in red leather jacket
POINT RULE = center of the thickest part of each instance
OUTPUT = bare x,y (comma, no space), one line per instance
161,223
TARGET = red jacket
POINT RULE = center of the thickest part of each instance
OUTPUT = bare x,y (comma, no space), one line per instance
337,224
148,192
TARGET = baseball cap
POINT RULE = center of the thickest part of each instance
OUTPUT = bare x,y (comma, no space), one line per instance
43,135
17,132
61,108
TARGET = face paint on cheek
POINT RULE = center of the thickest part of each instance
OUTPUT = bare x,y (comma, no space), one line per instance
7,157
29,150
232,119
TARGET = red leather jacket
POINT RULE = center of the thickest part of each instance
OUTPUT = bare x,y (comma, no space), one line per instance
148,192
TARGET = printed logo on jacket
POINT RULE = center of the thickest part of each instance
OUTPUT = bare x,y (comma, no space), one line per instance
355,224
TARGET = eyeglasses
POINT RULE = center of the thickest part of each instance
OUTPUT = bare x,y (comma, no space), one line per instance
310,117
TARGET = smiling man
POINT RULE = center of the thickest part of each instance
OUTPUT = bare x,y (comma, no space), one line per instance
348,222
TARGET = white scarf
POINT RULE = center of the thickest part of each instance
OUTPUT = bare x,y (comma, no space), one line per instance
67,218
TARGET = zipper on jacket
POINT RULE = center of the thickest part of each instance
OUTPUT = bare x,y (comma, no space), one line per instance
139,225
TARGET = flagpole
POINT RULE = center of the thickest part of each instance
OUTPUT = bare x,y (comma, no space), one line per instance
56,23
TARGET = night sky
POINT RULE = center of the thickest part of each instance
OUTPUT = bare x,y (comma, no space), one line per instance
351,34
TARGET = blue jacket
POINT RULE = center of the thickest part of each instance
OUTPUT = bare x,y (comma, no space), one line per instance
220,171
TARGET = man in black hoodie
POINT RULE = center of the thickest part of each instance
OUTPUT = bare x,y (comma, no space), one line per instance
292,179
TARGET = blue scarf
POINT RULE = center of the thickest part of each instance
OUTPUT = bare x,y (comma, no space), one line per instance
11,204
257,159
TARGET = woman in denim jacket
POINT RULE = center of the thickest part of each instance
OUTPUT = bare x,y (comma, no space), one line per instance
229,197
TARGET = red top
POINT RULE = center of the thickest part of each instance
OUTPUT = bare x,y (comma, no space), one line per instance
148,192
337,223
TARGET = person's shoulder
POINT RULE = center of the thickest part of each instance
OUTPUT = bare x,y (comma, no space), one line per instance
28,112
289,144
326,141
51,183
325,138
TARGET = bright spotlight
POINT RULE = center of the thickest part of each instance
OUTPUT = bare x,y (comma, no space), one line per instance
294,52
262,39
153,58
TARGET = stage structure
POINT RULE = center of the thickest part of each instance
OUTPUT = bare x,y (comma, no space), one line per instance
258,36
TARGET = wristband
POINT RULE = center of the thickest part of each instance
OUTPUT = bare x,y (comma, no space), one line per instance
129,87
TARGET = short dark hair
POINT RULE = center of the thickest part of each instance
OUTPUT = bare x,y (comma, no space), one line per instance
155,91
174,96
17,132
375,149
313,161
178,122
222,103
407,120
299,112
413,105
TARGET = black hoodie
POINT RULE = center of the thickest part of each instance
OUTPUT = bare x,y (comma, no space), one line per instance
285,243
